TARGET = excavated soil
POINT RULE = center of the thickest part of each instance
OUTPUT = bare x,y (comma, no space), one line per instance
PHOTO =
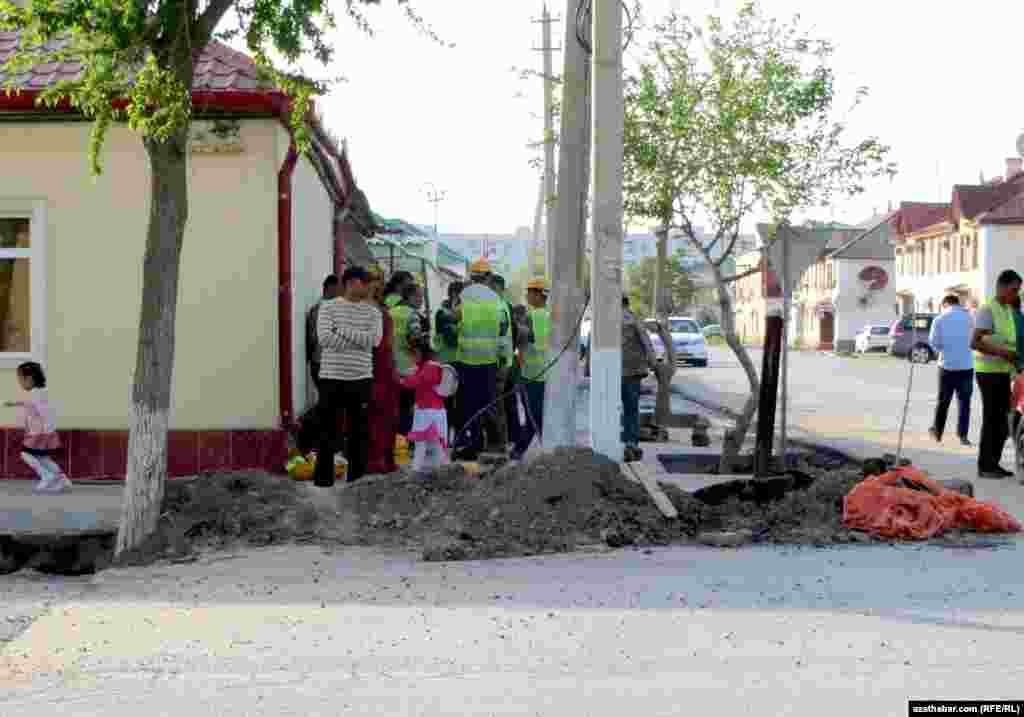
563,501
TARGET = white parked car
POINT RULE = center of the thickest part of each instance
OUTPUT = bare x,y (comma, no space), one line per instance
687,340
873,337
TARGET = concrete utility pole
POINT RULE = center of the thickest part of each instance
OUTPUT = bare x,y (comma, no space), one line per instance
538,218
606,270
566,238
549,136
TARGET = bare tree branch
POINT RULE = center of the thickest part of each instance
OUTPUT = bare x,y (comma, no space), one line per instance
745,274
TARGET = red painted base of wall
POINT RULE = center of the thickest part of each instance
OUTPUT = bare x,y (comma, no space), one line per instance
104,454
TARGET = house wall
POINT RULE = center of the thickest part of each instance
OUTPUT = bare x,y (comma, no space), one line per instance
851,317
1002,247
312,261
226,344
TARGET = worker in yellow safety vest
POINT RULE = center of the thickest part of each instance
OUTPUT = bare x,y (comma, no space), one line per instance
483,325
995,362
534,358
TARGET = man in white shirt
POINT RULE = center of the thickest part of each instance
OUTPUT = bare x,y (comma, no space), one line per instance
348,329
950,336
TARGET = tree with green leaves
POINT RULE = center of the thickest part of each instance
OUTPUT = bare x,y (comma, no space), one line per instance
138,63
679,286
725,119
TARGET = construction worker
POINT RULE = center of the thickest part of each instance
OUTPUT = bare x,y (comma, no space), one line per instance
483,324
446,343
534,359
408,327
502,427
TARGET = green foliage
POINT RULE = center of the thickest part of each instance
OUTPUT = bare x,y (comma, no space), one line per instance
723,120
138,56
679,290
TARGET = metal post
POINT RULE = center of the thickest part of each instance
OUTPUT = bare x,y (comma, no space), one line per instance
608,120
769,395
787,296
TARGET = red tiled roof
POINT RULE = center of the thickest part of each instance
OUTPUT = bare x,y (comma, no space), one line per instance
219,69
973,200
912,217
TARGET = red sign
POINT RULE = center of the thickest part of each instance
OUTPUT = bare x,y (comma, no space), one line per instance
874,278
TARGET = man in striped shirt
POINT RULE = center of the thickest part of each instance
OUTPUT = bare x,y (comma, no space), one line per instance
348,328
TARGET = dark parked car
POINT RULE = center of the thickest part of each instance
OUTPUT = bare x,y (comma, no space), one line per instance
909,337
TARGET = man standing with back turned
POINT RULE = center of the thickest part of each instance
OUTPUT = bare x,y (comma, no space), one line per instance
995,360
951,336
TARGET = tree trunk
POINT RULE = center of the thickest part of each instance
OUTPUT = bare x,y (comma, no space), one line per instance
667,371
154,362
734,439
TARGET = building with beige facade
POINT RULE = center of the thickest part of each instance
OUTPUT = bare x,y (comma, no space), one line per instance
960,247
266,225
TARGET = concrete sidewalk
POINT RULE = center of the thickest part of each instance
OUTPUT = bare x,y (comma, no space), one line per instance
88,509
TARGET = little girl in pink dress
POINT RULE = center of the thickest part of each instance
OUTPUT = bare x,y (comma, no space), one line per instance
40,423
430,421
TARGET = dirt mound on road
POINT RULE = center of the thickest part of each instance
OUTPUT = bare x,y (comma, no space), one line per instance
556,503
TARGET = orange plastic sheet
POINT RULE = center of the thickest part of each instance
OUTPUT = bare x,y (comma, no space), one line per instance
906,504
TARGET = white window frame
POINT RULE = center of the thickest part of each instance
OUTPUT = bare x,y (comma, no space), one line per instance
33,209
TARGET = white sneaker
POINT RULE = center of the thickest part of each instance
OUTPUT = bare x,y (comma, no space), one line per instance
57,484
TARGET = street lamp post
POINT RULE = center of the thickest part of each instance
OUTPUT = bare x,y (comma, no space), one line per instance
435,196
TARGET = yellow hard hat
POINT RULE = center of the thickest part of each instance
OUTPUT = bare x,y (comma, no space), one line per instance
480,266
539,284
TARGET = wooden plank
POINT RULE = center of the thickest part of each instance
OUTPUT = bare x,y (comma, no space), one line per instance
645,476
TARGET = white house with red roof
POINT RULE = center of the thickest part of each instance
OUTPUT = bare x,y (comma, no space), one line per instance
266,225
960,247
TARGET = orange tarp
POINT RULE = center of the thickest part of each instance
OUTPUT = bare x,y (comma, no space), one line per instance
906,504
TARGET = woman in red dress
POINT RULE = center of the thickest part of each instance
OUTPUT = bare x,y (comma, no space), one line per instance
386,390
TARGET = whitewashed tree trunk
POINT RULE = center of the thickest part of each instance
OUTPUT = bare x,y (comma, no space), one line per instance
151,391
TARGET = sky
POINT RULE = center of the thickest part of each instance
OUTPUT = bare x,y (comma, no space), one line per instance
944,82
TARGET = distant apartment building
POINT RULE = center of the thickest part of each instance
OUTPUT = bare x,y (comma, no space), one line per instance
961,247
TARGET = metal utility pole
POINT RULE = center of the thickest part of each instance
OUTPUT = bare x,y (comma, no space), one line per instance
567,236
435,197
606,269
787,300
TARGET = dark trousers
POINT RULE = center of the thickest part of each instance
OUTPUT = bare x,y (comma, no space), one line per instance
995,420
533,392
314,372
631,410
406,409
960,383
343,399
515,428
477,388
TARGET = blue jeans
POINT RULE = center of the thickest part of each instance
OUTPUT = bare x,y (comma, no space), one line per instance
960,383
631,410
533,392
477,388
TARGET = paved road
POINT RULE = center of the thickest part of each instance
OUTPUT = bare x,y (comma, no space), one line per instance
856,404
297,631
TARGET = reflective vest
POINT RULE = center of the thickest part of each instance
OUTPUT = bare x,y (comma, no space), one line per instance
444,351
479,332
392,300
535,355
401,315
506,347
1005,334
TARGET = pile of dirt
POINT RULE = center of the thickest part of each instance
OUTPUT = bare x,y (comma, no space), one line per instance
556,503
810,514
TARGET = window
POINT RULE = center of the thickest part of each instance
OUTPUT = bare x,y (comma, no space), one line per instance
684,326
22,281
